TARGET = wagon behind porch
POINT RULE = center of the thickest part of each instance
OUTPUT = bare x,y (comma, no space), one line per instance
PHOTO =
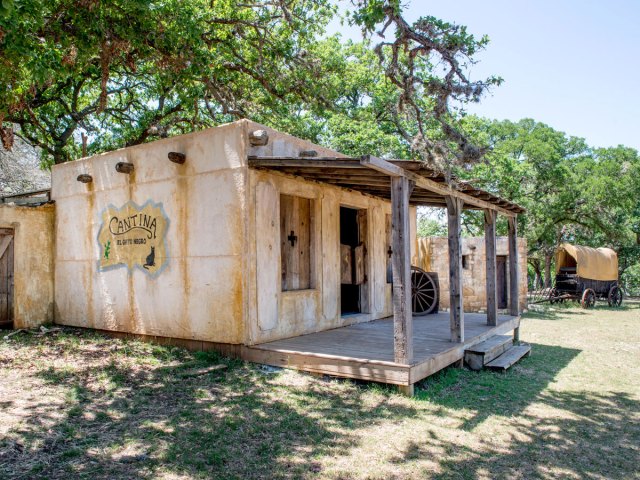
586,274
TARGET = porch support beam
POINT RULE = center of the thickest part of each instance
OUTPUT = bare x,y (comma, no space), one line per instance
514,287
401,266
456,311
490,254
443,189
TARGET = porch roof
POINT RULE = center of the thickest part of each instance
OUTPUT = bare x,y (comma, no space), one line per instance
371,175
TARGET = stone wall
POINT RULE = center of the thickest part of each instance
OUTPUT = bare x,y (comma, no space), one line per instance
433,256
33,246
20,169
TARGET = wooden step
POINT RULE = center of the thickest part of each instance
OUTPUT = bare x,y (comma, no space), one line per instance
482,353
509,357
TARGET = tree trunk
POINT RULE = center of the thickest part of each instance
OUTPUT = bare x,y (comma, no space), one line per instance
537,281
547,271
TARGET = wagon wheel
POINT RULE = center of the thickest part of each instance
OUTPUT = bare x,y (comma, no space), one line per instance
615,296
424,293
552,296
588,298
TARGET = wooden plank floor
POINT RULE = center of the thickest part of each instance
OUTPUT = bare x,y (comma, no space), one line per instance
365,350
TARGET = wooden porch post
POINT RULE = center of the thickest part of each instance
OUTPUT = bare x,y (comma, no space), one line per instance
401,265
514,289
490,254
456,311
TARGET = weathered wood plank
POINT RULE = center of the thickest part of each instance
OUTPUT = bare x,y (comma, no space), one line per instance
490,254
430,185
514,277
359,265
382,166
5,240
343,367
303,244
295,242
303,162
372,343
482,353
445,357
511,356
401,268
456,312
362,260
288,258
346,277
373,164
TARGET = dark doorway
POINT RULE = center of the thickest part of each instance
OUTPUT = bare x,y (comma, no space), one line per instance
501,280
352,263
6,278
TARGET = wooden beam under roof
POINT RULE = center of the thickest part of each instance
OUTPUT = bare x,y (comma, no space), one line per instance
428,184
337,171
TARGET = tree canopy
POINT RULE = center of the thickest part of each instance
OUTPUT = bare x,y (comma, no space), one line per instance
126,72
572,192
130,70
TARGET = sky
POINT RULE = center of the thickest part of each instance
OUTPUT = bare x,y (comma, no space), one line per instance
571,64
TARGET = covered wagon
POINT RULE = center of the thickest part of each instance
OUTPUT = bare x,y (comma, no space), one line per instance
586,274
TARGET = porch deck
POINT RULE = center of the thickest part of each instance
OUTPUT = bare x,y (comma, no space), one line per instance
365,350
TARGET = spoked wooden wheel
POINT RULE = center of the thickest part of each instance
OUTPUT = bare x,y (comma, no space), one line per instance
588,298
615,296
424,293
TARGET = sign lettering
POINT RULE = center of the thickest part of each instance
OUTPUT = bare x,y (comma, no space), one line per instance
133,236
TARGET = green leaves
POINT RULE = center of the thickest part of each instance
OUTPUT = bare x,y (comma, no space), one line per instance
129,71
571,192
6,6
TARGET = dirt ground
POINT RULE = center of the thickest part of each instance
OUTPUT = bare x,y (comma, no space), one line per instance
74,404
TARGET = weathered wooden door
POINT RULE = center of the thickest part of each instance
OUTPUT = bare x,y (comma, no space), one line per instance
501,281
6,278
295,239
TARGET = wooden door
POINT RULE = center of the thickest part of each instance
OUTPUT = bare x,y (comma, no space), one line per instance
295,242
6,278
501,281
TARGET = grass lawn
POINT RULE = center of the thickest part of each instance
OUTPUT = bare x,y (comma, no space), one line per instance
74,404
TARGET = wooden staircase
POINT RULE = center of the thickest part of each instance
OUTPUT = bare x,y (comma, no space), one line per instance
495,353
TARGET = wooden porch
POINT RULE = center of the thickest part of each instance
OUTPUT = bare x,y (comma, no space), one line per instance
402,350
365,351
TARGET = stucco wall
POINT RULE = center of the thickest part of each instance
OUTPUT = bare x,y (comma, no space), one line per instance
33,262
210,288
274,314
199,294
434,257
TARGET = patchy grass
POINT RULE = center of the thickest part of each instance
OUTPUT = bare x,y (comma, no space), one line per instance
74,404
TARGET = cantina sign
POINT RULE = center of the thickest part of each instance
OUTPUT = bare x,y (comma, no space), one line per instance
134,236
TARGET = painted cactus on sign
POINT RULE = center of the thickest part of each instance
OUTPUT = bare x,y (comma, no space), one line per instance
133,236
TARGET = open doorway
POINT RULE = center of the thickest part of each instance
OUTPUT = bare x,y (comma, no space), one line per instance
353,276
501,280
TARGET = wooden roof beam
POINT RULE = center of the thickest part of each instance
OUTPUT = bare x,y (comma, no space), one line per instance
430,185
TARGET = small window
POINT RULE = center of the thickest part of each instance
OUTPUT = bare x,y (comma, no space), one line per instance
296,241
465,262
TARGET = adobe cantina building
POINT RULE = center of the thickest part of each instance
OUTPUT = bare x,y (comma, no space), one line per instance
261,245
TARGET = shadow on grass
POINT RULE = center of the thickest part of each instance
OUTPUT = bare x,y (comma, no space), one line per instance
237,422
594,438
123,421
488,393
591,436
560,311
